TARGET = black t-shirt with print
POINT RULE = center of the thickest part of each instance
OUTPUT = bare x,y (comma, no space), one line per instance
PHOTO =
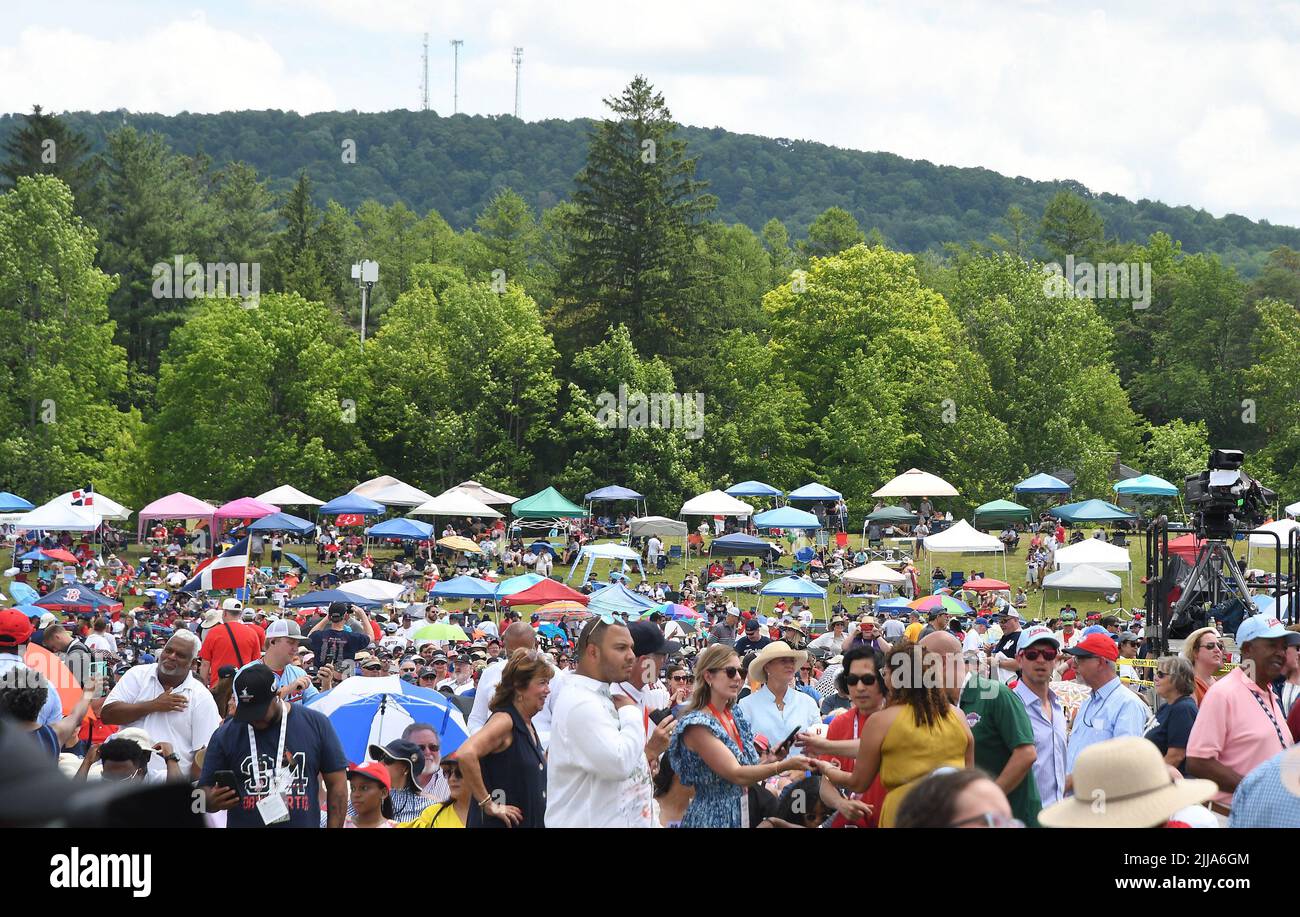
1007,645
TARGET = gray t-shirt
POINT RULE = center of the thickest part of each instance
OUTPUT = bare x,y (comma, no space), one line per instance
894,630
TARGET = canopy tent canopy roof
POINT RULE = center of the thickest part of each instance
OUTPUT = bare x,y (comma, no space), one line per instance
786,517
399,494
917,483
375,590
987,584
482,494
284,495
1000,512
618,598
753,489
961,538
614,492
455,503
351,504
656,525
1146,485
794,586
548,590
78,599
464,587
1283,528
281,522
244,508
715,503
895,514
12,503
374,485
813,491
874,572
323,597
1042,483
547,504
1186,546
406,529
174,506
738,544
518,584
1293,509
1093,552
608,551
58,517
1090,511
101,506
1083,578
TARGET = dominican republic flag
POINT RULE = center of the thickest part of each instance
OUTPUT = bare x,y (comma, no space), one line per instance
225,571
84,497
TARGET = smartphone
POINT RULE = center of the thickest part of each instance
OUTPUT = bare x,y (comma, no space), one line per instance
226,779
783,750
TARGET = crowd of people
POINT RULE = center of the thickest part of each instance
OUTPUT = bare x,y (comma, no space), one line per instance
698,714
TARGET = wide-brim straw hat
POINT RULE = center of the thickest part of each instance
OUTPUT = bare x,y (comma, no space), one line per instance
778,649
1124,783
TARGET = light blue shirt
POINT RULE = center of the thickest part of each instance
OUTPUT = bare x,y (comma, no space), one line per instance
290,674
1261,800
52,710
1111,712
800,711
1049,743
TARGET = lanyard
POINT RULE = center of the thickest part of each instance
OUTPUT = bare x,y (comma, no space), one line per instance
1269,713
279,754
729,724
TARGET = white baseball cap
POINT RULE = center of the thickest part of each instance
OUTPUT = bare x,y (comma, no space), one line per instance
1031,635
285,628
232,605
1264,626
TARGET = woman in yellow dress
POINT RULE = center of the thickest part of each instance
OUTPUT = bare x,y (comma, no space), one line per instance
918,731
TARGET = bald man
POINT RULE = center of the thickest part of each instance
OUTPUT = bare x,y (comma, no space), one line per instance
1004,737
518,636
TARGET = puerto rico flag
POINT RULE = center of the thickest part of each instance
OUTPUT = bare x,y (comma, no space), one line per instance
84,497
225,571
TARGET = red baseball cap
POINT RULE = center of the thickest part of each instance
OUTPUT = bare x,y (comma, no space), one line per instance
375,770
1096,645
15,627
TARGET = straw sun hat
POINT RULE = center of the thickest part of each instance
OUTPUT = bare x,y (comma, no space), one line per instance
1124,783
778,649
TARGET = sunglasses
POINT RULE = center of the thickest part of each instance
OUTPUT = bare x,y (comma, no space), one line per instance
1211,646
687,679
429,747
868,679
452,770
1035,655
731,671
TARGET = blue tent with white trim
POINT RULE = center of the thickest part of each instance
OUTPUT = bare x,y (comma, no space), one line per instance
1042,484
351,505
787,517
407,529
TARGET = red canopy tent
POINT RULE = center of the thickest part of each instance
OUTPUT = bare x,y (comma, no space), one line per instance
1186,546
548,590
987,585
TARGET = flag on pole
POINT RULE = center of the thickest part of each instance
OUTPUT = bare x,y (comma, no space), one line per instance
85,496
225,571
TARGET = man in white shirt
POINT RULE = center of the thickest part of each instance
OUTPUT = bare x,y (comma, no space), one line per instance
545,561
976,637
644,688
168,703
518,636
653,548
598,739
101,639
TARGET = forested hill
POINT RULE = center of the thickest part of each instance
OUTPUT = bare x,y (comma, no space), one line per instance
454,164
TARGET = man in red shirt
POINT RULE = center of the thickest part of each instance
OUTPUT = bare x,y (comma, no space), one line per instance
230,642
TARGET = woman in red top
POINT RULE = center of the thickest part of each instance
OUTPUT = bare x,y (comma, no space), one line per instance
861,680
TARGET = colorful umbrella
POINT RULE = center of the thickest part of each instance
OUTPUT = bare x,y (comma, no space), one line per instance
678,612
942,602
562,607
374,711
459,543
439,631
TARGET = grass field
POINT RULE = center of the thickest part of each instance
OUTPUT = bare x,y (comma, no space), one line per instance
990,564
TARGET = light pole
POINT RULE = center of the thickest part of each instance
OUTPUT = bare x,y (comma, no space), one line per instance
366,274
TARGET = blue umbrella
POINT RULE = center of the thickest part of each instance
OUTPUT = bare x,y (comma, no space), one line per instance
377,710
32,611
158,595
539,546
553,631
23,593
296,561
326,596
11,503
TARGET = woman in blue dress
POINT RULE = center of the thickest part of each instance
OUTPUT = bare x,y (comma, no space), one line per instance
713,750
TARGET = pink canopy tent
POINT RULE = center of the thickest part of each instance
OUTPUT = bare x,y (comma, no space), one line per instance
243,508
174,506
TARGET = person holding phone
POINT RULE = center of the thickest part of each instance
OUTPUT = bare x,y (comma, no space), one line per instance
777,707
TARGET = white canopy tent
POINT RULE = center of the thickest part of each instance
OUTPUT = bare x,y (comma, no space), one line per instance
374,485
917,483
594,552
377,590
482,494
58,517
1098,554
1293,510
455,503
876,573
962,538
284,495
645,526
1081,578
716,503
101,506
399,494
1283,528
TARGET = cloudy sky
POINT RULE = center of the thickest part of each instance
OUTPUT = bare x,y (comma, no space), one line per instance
1188,103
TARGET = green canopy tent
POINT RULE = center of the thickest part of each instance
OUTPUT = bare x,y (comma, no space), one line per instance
547,504
888,515
1000,512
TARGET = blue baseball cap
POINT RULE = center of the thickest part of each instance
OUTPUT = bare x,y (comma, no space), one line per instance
984,621
1095,629
1264,626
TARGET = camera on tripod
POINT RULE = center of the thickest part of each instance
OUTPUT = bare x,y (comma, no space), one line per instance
1223,499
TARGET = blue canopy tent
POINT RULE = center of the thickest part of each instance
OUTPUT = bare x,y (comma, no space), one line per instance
1146,485
813,492
465,587
755,489
614,493
324,597
1042,484
351,505
12,503
1091,511
78,600
617,598
405,529
739,544
794,587
281,522
787,517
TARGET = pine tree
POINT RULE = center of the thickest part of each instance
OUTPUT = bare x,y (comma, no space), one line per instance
46,145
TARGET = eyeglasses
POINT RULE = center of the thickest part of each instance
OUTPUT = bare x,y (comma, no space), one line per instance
867,679
1160,674
731,671
1035,655
451,770
429,747
989,820
687,679
1210,646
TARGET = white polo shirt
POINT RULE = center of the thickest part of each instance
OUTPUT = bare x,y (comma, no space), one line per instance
187,730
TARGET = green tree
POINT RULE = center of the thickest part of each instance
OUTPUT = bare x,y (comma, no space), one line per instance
1070,226
637,210
776,239
506,240
45,145
1175,450
831,233
245,211
1273,387
296,260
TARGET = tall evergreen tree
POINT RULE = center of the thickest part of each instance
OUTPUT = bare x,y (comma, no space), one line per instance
45,145
637,211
